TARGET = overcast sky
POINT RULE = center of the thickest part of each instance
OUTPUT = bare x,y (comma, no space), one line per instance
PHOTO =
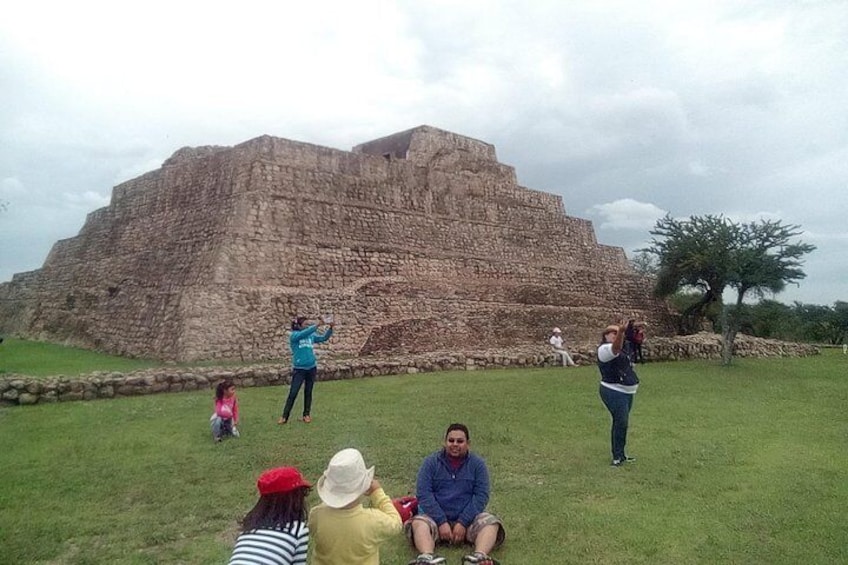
629,110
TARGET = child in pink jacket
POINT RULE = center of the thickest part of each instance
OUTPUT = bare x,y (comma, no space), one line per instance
226,415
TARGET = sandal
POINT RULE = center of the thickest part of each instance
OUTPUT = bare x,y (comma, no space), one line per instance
307,419
281,421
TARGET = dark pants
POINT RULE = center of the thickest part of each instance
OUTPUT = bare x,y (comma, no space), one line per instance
637,353
619,405
299,377
222,427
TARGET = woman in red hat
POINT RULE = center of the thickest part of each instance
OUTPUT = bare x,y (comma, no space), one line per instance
274,532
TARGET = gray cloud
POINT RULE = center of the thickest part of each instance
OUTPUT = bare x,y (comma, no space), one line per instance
626,110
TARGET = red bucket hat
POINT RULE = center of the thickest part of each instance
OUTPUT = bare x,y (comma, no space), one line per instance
280,479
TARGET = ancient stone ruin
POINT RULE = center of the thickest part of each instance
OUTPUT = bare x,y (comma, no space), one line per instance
419,241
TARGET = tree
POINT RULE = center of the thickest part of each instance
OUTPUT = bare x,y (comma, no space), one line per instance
764,262
712,253
821,324
773,319
693,255
644,263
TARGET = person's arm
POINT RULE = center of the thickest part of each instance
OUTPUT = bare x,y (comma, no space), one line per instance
424,491
385,515
302,546
605,354
619,339
319,338
235,411
479,493
305,332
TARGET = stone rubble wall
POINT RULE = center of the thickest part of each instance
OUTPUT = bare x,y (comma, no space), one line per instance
20,390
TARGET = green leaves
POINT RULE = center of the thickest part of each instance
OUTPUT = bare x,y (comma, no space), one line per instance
711,253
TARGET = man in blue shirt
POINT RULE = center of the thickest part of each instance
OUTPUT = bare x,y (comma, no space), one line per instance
304,365
452,491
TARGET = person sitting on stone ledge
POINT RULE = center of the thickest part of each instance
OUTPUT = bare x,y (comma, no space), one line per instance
559,348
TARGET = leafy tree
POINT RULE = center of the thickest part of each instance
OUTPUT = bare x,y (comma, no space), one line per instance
840,311
645,263
799,322
772,319
819,324
764,262
711,253
693,255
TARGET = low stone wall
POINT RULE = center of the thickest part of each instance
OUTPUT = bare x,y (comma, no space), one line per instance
16,389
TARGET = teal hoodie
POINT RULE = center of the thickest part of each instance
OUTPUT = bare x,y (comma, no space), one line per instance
301,342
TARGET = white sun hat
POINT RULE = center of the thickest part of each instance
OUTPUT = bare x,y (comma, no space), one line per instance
557,331
345,479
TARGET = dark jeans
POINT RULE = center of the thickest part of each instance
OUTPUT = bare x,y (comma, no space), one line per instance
222,427
619,405
299,377
637,353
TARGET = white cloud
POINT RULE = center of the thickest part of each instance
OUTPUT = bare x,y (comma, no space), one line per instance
627,214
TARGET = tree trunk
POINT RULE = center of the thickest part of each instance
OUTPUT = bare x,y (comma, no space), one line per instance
730,316
729,336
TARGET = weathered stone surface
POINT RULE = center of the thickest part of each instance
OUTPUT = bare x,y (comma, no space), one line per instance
27,398
416,242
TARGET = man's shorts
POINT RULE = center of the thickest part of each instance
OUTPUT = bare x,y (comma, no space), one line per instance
482,520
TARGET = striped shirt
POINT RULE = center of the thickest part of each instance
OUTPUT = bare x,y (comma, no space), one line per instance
272,547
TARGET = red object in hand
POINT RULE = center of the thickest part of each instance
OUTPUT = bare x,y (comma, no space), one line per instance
407,507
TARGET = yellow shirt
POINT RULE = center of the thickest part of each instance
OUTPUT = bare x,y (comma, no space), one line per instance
352,536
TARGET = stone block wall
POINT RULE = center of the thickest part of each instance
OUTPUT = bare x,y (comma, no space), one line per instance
19,390
210,256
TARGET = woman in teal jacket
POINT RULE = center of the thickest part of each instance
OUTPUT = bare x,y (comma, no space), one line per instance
304,364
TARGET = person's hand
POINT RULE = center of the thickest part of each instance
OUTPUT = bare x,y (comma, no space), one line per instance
445,533
375,484
458,533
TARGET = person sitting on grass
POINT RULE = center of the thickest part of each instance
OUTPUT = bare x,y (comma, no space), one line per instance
343,531
274,532
453,490
226,415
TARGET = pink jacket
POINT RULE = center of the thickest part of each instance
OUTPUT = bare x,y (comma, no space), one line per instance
227,408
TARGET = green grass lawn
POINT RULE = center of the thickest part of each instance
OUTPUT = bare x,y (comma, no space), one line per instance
40,359
745,464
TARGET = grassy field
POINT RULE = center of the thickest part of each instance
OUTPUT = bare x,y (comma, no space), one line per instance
39,359
744,464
